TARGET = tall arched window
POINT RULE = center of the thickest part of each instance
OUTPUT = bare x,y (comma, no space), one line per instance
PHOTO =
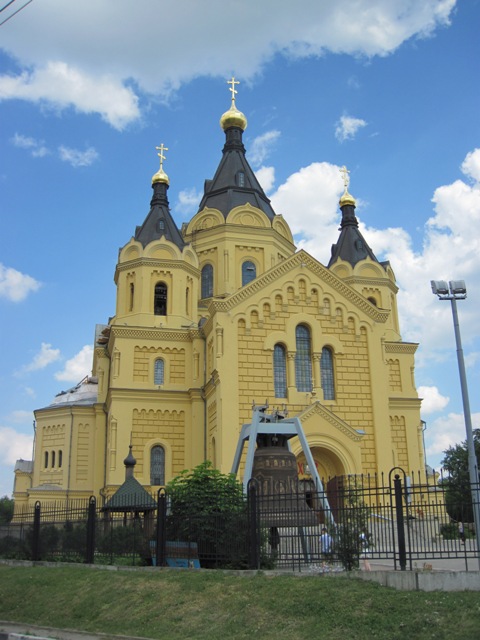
303,359
207,281
249,272
159,371
53,459
280,371
160,299
132,296
60,458
326,373
46,460
157,466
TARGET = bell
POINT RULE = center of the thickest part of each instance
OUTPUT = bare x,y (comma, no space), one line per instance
281,503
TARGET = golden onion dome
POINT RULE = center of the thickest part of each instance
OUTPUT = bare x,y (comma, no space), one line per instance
160,176
233,118
347,199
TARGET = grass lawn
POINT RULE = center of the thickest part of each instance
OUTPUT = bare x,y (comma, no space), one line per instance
173,604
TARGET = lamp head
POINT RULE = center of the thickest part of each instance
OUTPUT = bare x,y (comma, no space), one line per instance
458,288
439,287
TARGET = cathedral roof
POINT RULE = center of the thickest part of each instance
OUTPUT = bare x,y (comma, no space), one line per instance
351,246
159,222
234,183
85,393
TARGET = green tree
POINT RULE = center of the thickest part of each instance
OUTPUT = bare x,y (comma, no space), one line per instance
6,509
458,497
209,508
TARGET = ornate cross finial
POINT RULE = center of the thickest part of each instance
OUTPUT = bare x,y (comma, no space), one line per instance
160,150
233,82
345,175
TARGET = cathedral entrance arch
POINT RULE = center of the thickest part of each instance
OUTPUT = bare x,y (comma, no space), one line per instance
327,462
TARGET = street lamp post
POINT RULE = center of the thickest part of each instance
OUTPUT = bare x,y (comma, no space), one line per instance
456,290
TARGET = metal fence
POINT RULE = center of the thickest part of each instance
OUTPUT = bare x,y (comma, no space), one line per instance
400,518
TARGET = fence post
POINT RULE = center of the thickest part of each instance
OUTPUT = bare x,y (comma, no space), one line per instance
36,532
253,525
402,552
91,526
161,541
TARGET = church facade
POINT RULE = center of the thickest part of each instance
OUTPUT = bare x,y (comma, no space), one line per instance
220,314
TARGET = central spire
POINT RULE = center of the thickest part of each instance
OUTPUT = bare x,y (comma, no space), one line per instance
234,183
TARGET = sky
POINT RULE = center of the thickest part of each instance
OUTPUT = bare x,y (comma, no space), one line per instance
88,89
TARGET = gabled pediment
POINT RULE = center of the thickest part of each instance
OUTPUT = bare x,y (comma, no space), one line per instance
320,410
282,274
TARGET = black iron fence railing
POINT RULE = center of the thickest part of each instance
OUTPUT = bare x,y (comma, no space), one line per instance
402,518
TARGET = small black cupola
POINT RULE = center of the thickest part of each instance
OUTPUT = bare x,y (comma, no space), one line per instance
351,246
159,221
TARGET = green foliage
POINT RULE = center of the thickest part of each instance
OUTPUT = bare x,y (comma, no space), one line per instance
205,490
13,548
6,509
351,534
458,497
209,508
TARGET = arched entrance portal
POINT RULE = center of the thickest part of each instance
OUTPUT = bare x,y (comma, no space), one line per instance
328,465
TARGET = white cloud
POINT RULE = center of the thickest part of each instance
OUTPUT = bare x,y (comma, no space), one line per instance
59,85
433,400
261,147
36,147
309,201
77,367
21,417
124,56
14,445
43,358
347,127
14,285
78,158
447,431
471,165
188,201
266,177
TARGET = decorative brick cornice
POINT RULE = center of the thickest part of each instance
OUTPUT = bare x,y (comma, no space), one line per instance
158,262
165,335
401,347
368,282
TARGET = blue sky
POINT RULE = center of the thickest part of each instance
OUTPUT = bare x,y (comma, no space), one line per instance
89,89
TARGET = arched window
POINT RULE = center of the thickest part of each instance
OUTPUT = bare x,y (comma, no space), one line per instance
303,359
160,299
157,466
240,178
207,281
132,296
326,374
46,459
53,459
249,272
60,458
159,371
280,371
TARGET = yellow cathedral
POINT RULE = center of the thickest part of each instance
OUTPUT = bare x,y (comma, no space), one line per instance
220,314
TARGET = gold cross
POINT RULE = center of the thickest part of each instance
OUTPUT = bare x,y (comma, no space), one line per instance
346,178
233,82
161,149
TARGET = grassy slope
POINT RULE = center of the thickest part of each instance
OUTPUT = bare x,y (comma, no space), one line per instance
214,606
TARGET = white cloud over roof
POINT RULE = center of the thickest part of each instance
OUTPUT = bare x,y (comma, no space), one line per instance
128,55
